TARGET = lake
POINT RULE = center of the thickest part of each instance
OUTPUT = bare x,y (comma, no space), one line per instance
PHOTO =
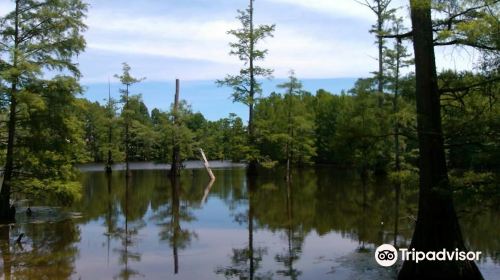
325,224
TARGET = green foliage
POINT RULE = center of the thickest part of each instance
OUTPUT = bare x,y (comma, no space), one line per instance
142,137
221,139
285,125
470,119
38,36
245,84
50,141
408,175
134,116
472,187
183,135
49,35
471,23
96,122
127,79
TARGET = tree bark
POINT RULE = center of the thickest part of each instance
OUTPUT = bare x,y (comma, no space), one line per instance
207,165
7,211
437,225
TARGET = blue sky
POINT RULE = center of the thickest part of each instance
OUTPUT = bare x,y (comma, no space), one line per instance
324,41
164,40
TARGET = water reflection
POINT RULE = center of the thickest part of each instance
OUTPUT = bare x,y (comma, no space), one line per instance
323,222
169,218
245,262
127,234
294,238
42,252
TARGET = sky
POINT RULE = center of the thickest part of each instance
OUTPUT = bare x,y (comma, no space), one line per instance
187,39
326,43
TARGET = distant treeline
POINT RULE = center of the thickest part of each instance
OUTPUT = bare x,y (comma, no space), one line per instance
348,129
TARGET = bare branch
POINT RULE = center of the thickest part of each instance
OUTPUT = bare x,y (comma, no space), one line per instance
407,35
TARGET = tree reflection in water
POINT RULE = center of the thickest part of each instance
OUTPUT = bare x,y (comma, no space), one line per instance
43,253
5,248
245,262
111,217
169,218
295,239
128,236
320,205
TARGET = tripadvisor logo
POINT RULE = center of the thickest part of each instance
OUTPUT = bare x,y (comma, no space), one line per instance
387,255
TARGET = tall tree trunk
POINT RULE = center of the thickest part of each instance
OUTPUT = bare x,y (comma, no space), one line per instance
437,225
176,157
127,135
109,161
252,166
290,136
7,211
397,159
380,74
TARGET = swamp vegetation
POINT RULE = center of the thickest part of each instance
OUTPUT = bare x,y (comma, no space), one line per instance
408,157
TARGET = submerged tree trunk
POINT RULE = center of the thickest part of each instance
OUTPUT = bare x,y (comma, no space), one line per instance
175,169
437,225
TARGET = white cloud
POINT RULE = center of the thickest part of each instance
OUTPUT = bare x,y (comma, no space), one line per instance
166,27
344,8
313,57
310,53
167,37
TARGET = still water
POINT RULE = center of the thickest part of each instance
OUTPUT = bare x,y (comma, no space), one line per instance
324,225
